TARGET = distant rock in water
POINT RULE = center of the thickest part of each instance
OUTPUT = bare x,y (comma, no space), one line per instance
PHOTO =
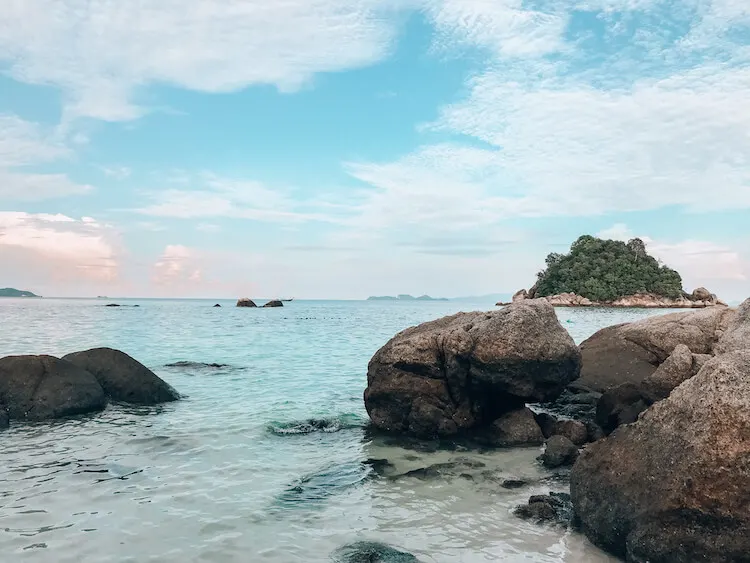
274,303
459,374
113,305
44,387
217,305
123,378
371,552
196,365
327,425
245,302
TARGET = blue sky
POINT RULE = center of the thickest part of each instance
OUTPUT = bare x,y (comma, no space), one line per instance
342,148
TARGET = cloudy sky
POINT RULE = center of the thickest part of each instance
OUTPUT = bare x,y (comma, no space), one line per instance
342,148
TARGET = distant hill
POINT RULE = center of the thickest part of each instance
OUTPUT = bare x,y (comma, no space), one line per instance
404,297
11,292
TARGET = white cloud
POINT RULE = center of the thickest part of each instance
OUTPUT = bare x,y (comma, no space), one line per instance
117,172
177,266
100,53
62,249
24,144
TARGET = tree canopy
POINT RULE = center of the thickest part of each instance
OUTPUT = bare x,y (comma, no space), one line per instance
605,270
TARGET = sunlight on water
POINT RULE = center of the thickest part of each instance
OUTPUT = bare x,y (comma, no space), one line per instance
264,459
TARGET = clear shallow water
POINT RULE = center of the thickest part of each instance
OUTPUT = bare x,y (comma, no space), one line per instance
219,476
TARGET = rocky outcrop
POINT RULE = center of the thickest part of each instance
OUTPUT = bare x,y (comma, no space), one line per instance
245,302
699,299
274,303
554,507
459,374
43,387
675,485
737,334
123,378
631,352
558,452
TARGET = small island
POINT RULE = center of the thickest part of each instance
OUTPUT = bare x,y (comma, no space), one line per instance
405,297
11,292
611,273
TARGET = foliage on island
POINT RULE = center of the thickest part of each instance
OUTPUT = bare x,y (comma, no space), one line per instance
605,270
12,292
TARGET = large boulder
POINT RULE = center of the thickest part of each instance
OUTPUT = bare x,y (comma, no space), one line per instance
559,451
629,353
675,485
43,387
737,334
123,378
463,372
274,303
515,428
245,302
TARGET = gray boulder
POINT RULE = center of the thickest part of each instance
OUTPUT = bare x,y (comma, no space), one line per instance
675,485
245,302
515,428
274,303
43,387
462,372
559,451
737,334
123,378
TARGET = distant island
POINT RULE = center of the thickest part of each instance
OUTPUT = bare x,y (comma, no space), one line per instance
11,292
598,272
405,297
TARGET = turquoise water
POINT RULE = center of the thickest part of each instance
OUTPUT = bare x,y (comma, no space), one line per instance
228,473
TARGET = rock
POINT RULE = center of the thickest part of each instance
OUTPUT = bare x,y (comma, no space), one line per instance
43,387
621,405
555,507
675,486
702,294
737,335
516,428
217,305
559,451
532,292
520,295
575,402
4,418
462,372
513,484
245,302
371,552
631,352
547,423
274,303
112,305
573,430
123,378
676,369
595,432
700,360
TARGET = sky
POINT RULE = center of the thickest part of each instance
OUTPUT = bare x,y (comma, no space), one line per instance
345,148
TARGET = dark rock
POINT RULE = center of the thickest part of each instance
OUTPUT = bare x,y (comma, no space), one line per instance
573,430
379,466
546,423
371,552
516,428
595,432
217,305
555,507
513,484
245,302
559,451
196,365
437,470
312,490
123,378
576,402
621,405
113,305
43,387
274,303
463,372
4,418
675,486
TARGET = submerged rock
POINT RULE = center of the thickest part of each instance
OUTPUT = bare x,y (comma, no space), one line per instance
675,485
245,302
122,377
196,365
274,303
43,387
371,552
312,425
460,373
313,489
559,451
555,507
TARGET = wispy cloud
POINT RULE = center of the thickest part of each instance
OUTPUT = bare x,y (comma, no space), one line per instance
101,53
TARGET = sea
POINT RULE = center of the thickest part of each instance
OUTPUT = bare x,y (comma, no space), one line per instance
267,457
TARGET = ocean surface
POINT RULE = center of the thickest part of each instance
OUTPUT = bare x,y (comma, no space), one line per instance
234,472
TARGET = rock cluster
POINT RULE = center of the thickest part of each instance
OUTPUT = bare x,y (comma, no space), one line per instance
245,302
472,374
45,387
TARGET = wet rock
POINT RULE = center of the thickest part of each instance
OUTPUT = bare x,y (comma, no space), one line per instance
559,451
595,432
516,428
4,418
245,302
441,470
513,484
576,402
737,335
555,507
379,466
122,377
546,422
196,365
113,305
371,552
463,372
311,490
43,387
621,405
274,303
326,425
675,485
